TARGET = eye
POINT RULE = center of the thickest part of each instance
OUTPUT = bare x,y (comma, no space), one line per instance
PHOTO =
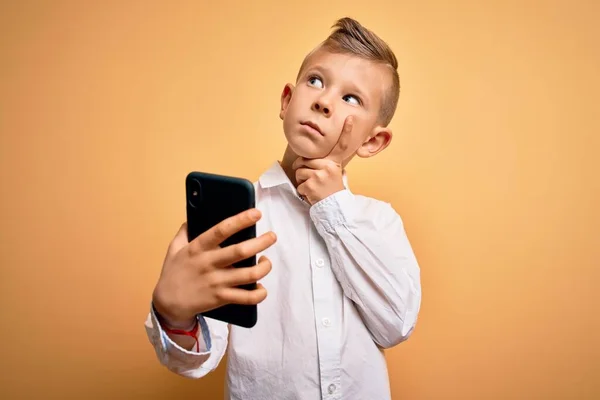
351,99
315,81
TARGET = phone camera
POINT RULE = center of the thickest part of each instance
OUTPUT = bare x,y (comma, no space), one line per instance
195,193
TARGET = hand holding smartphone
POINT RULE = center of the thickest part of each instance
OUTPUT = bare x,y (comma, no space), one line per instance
211,267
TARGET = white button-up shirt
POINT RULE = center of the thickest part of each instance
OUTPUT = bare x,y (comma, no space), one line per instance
344,286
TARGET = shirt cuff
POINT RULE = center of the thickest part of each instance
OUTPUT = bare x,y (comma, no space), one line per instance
167,344
333,211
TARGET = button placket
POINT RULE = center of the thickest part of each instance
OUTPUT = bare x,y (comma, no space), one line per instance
326,306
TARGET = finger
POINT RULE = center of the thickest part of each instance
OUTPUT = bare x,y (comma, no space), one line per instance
341,147
232,277
243,296
303,174
302,190
237,252
315,163
298,162
180,240
224,229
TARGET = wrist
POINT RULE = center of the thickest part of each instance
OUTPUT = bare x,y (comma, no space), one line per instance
178,325
173,323
180,329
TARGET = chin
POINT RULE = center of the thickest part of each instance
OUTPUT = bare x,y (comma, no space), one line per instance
304,147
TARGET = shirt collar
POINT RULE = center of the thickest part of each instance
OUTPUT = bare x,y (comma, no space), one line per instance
275,176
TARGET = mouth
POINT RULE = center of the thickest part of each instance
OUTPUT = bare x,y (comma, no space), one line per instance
313,127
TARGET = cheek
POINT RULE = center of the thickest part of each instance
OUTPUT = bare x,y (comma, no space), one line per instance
359,123
294,107
361,129
290,113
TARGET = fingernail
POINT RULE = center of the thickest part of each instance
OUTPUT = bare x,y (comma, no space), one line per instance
254,213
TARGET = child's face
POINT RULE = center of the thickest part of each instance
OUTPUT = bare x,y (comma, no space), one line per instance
332,87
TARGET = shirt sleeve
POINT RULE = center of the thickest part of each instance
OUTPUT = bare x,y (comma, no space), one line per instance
373,261
212,340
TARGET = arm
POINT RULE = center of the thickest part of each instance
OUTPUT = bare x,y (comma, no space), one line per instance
373,261
194,279
174,354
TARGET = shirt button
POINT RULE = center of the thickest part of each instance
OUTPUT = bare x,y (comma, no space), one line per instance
320,262
326,321
331,388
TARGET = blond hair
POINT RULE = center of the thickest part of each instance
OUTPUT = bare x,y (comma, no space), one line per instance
350,37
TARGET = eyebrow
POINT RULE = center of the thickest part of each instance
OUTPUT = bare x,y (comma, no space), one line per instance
355,89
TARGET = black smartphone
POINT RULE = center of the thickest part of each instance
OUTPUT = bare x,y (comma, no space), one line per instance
210,199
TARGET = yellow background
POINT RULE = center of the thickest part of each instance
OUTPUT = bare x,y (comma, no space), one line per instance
105,106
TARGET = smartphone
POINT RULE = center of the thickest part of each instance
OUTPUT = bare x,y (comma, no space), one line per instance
210,199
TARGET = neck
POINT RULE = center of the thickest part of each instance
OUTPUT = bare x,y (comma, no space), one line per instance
286,164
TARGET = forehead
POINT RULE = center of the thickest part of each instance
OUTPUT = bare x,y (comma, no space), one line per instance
369,76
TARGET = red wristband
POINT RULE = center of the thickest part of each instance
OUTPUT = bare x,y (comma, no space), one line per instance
191,333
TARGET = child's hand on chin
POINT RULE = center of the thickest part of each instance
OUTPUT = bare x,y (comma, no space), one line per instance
319,178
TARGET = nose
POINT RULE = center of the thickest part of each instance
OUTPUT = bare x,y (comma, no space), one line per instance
322,105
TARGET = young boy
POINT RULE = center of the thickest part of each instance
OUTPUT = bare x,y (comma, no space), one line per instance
343,281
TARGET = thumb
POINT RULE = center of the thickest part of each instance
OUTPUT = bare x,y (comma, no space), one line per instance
180,240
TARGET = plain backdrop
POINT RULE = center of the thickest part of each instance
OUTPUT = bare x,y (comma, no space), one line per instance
105,106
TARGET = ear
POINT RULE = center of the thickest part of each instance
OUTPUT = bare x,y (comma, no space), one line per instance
377,141
286,97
